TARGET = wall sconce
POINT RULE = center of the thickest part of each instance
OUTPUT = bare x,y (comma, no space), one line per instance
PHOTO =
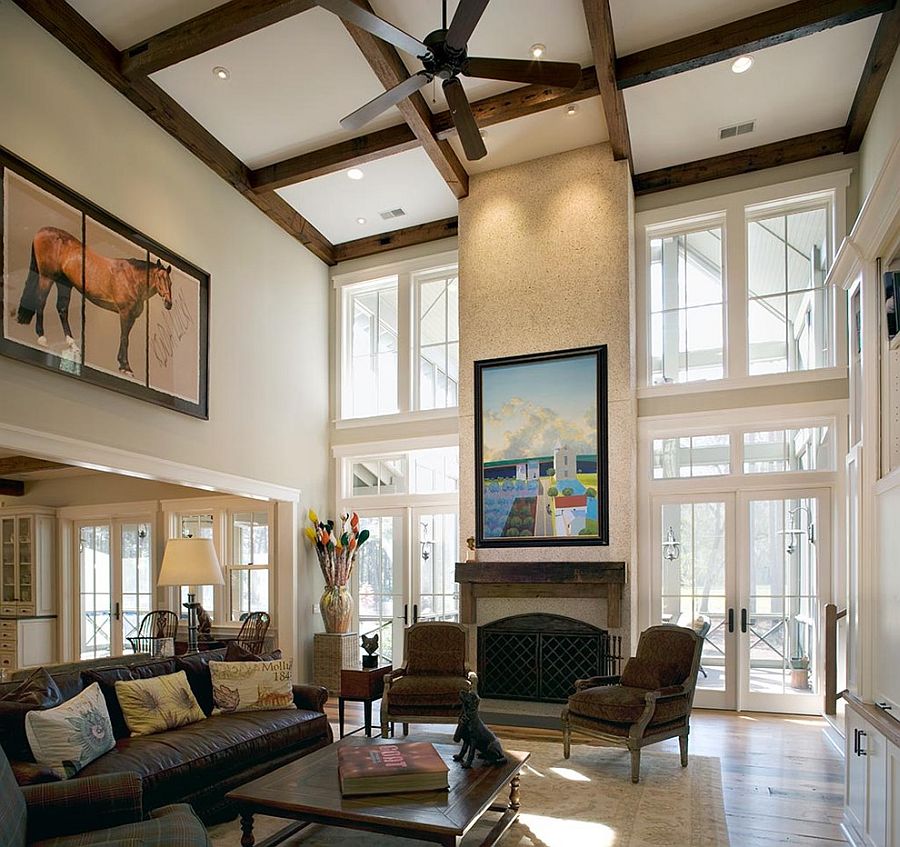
793,531
671,546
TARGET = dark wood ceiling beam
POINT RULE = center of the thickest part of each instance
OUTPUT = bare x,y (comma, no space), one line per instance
878,63
213,28
26,464
526,100
11,488
337,157
374,244
766,29
599,24
771,155
72,30
385,61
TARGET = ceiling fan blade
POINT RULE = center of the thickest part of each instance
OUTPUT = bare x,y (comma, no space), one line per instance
468,13
464,120
364,19
372,109
558,74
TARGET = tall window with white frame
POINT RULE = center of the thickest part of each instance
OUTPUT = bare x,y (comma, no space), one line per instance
248,567
198,525
789,310
371,351
686,305
437,340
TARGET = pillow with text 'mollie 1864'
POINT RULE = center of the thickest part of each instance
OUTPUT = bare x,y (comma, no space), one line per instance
252,686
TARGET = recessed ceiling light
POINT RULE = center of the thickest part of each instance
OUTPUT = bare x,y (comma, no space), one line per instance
538,50
742,64
355,173
360,221
572,109
221,73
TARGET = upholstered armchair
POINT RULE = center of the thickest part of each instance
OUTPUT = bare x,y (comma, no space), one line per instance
426,688
650,702
94,810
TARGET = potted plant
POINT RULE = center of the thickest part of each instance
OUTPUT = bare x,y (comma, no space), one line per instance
337,556
800,673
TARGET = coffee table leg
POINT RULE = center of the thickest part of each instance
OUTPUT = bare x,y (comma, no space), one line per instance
367,710
514,801
509,817
247,839
341,714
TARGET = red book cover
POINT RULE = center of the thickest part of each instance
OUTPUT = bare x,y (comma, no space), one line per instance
383,768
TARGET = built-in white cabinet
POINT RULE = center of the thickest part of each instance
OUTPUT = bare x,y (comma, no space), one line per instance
28,583
872,792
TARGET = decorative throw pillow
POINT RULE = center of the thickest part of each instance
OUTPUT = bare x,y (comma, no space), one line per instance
650,676
252,686
38,691
234,652
107,678
72,735
158,704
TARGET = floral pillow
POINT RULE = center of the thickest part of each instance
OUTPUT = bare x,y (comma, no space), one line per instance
72,735
158,704
252,686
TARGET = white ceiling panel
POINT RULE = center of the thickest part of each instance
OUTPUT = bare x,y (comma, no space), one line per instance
126,22
507,30
639,24
408,180
289,86
541,134
795,88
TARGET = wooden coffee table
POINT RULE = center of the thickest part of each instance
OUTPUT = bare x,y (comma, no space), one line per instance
308,791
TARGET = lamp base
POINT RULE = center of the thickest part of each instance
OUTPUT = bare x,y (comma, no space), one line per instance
192,607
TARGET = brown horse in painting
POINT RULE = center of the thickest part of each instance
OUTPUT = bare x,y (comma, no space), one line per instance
117,285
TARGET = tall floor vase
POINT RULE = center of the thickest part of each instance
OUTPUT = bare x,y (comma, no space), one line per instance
336,605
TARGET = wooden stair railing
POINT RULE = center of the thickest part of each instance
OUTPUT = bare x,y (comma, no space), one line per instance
832,616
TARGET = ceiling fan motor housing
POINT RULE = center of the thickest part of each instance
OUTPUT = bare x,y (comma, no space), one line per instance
442,61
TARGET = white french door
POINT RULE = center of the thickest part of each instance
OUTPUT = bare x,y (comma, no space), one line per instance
116,583
752,568
406,572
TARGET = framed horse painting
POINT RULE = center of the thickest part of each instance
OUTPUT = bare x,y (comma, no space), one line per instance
86,295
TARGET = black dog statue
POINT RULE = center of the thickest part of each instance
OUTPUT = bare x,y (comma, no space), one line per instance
475,736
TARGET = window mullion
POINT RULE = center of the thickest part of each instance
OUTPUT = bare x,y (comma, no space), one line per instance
407,340
736,291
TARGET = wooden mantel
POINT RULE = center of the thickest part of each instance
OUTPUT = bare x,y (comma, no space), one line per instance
541,579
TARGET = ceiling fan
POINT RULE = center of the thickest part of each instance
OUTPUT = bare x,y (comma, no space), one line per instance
443,56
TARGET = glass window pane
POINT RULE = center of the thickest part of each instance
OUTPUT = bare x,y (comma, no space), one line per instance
766,256
699,455
372,318
767,335
438,343
802,449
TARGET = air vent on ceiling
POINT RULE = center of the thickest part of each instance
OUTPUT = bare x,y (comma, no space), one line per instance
392,213
736,129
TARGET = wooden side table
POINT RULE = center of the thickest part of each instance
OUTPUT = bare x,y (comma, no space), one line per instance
362,686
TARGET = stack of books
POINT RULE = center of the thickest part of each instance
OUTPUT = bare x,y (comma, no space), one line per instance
390,768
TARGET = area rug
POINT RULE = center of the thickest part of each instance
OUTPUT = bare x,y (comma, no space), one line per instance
588,799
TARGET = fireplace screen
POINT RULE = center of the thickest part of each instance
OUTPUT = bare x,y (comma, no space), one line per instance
538,657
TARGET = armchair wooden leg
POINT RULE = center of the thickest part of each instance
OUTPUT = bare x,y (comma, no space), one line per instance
406,729
636,765
567,737
683,745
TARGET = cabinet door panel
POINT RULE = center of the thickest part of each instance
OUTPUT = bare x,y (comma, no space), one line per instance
875,746
856,793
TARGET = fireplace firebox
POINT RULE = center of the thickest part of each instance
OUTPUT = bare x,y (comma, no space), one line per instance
538,657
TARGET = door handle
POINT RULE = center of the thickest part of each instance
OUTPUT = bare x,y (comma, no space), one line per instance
731,620
859,748
743,620
117,612
406,614
415,612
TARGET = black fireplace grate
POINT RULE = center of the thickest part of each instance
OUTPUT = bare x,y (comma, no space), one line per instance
538,657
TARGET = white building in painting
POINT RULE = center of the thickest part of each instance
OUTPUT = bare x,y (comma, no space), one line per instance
565,461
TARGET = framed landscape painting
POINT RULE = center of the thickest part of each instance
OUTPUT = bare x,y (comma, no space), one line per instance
541,449
88,296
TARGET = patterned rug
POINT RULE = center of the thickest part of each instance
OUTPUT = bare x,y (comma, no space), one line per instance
586,800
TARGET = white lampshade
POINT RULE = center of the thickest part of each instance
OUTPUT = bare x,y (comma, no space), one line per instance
190,561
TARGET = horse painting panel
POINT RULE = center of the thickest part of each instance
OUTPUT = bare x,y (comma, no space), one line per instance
119,285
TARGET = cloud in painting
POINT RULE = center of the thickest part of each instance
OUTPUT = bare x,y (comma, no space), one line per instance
521,429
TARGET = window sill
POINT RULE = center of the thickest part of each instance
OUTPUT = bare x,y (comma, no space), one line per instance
397,418
737,383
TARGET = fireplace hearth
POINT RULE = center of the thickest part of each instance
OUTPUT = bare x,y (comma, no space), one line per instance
538,657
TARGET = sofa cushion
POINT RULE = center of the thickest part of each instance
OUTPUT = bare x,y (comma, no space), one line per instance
196,667
423,690
623,704
651,676
107,678
177,763
156,667
70,736
37,691
158,704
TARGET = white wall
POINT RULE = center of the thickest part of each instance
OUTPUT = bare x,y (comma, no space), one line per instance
883,132
268,412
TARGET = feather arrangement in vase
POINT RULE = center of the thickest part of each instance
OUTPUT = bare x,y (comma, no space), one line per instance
336,552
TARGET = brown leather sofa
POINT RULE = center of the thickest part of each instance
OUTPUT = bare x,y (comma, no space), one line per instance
196,764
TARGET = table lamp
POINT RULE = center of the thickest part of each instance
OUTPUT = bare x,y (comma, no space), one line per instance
190,561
